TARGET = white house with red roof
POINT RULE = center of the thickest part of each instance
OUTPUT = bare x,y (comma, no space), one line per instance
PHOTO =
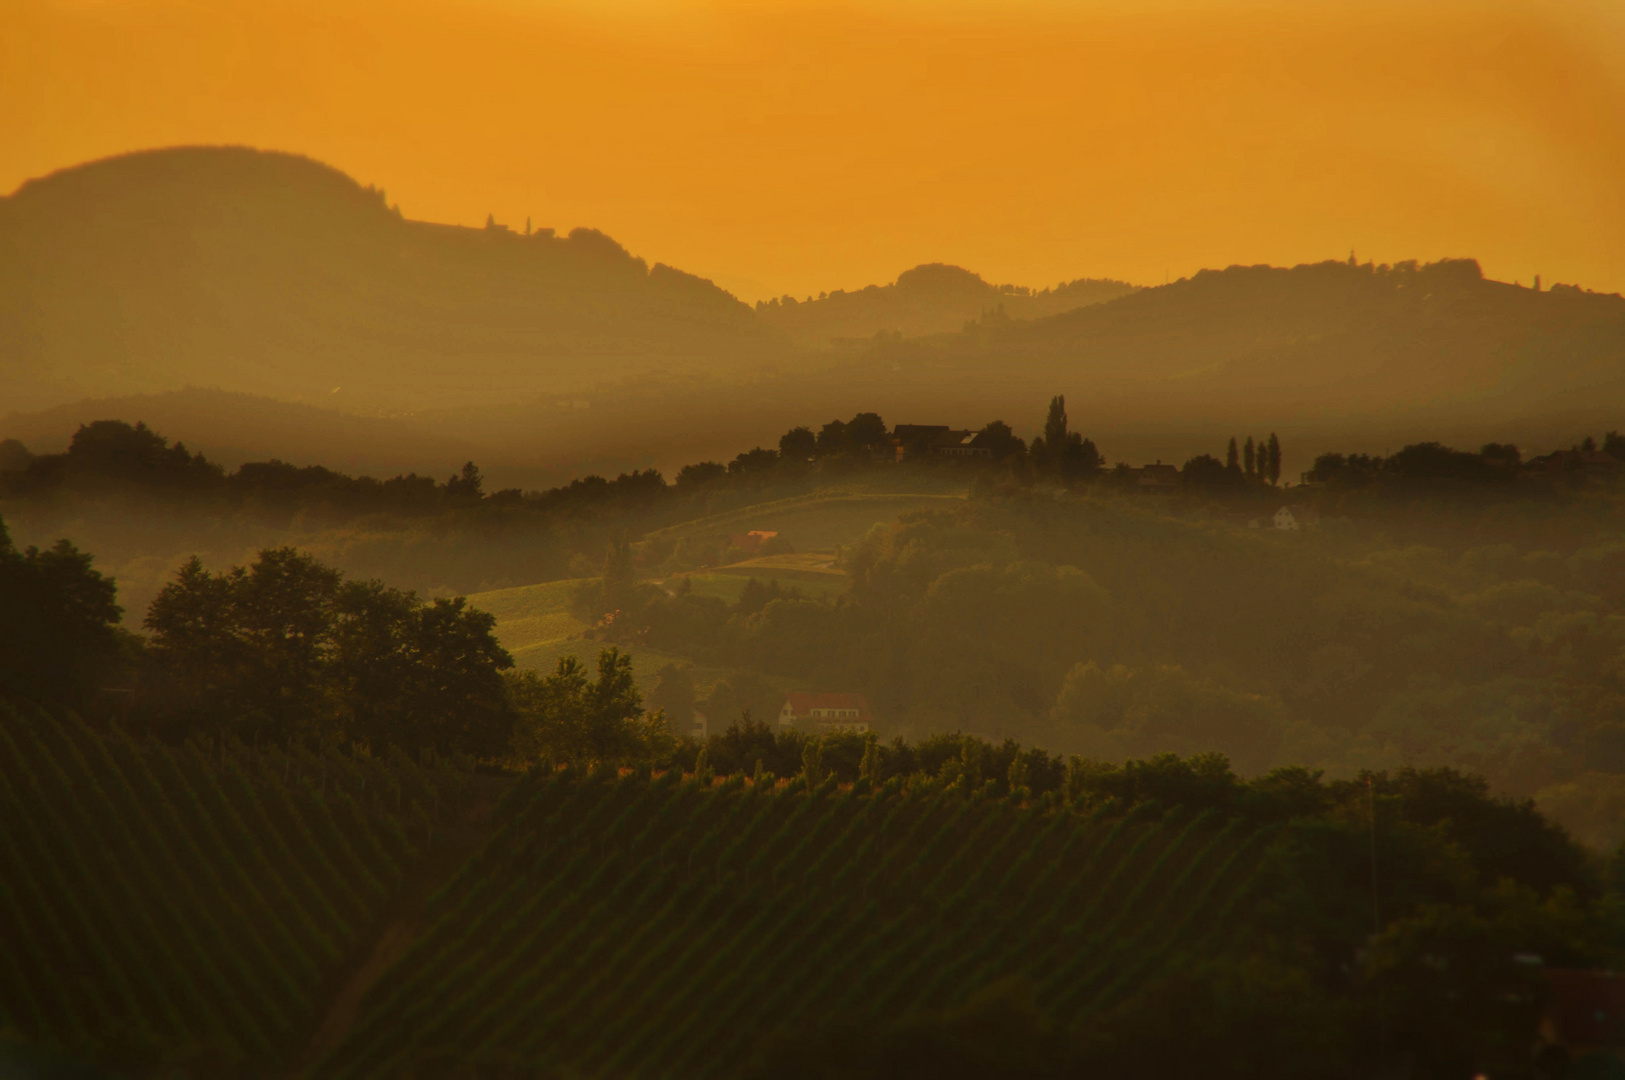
826,712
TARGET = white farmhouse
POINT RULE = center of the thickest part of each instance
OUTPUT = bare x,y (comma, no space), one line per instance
826,712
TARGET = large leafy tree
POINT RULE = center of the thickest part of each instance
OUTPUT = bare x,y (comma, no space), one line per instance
287,647
566,716
59,639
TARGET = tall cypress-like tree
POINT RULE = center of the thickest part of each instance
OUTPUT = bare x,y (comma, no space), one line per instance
812,762
1249,458
869,767
1232,457
1017,774
1274,451
1055,431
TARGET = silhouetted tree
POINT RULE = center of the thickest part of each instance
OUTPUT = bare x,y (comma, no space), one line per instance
1274,451
465,486
832,439
812,762
1001,440
1232,458
564,716
1055,423
866,431
798,444
58,624
14,456
285,647
1249,459
701,472
753,462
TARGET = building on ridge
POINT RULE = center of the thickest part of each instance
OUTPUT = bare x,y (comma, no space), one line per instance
919,440
1158,477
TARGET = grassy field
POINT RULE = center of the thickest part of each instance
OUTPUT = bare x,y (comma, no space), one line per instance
728,582
535,625
819,522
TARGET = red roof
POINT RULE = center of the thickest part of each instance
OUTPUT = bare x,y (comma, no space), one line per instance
1587,1007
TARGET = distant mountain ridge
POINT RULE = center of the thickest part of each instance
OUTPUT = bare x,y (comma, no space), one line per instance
931,298
270,273
1330,340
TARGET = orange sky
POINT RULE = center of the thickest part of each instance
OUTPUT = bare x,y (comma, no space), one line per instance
798,147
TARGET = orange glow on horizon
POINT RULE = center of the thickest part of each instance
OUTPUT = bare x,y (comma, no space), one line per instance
805,147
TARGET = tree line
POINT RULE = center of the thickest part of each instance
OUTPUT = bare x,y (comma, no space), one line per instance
1494,463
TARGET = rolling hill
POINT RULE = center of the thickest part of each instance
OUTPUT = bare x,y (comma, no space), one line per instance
1329,343
187,912
272,274
269,274
930,299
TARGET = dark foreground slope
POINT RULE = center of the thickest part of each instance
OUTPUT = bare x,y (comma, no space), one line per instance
270,273
198,913
182,907
638,927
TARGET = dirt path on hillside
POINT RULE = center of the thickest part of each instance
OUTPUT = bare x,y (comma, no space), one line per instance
408,920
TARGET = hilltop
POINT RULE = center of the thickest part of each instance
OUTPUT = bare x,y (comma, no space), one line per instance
1329,341
273,274
930,299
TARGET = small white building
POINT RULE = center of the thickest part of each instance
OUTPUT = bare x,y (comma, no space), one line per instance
1289,520
826,712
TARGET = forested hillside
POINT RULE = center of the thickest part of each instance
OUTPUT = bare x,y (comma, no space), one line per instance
272,274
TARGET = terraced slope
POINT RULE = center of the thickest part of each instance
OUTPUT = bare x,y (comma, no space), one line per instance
162,904
629,926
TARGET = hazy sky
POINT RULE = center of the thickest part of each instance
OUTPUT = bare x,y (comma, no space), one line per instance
798,147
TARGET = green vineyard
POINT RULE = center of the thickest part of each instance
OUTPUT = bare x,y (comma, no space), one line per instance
162,905
200,910
657,926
